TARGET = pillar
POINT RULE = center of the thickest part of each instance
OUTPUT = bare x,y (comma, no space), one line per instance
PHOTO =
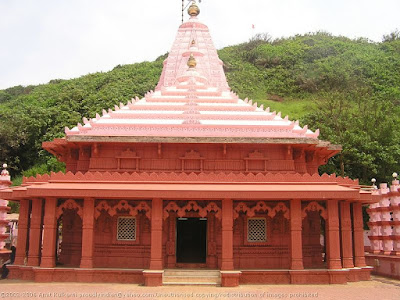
171,243
22,232
332,232
87,233
359,257
49,234
156,234
346,235
154,276
296,244
35,233
227,234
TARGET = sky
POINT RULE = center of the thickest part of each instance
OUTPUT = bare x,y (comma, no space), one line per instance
42,40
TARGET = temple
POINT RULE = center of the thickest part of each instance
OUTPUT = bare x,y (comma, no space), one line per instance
190,183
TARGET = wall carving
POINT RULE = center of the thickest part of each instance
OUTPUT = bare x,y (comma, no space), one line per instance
261,206
128,159
191,206
122,205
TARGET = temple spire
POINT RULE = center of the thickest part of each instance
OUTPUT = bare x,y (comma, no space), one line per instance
193,9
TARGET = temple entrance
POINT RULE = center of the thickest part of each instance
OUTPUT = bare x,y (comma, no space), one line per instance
191,246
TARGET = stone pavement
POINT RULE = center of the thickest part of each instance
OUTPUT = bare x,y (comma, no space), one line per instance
378,288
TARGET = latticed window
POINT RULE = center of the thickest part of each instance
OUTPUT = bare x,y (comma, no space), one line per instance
126,230
256,230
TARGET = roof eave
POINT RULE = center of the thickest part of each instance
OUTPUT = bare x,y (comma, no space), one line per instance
200,140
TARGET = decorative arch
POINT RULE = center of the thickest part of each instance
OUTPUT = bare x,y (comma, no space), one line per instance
212,206
69,204
314,206
103,205
281,207
172,206
241,207
261,206
122,205
192,206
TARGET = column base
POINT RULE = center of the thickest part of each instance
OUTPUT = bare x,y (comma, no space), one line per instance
230,278
33,261
297,264
227,265
348,262
86,263
334,264
48,262
153,277
360,262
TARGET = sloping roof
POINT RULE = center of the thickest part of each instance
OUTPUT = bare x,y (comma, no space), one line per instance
191,100
113,185
190,191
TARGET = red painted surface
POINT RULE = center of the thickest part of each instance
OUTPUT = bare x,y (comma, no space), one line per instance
190,149
22,232
35,233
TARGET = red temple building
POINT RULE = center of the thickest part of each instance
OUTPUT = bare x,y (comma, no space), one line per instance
190,183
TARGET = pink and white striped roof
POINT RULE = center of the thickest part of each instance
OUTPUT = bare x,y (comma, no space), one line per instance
192,102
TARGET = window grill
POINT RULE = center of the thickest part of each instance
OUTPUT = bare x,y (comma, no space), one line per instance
256,230
126,230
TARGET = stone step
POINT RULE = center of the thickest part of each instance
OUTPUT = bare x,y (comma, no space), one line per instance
191,277
213,279
193,283
178,272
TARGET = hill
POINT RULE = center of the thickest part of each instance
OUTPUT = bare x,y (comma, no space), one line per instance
350,89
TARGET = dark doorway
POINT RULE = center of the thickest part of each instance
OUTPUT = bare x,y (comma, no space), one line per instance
191,240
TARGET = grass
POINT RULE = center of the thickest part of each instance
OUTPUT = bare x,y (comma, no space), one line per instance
295,109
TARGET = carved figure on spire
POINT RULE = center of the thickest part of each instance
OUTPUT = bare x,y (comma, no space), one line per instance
191,61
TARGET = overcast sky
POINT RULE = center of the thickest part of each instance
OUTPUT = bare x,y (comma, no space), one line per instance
42,40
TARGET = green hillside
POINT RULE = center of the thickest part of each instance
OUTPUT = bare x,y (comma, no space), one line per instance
350,89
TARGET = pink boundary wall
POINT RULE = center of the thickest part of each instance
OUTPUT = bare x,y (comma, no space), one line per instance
4,183
385,231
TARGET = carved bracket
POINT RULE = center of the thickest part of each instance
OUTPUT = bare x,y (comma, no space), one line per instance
261,206
191,206
122,205
69,204
314,206
281,207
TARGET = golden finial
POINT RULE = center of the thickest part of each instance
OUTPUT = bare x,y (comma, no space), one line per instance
193,9
191,61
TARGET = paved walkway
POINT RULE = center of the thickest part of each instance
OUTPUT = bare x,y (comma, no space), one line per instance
378,288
